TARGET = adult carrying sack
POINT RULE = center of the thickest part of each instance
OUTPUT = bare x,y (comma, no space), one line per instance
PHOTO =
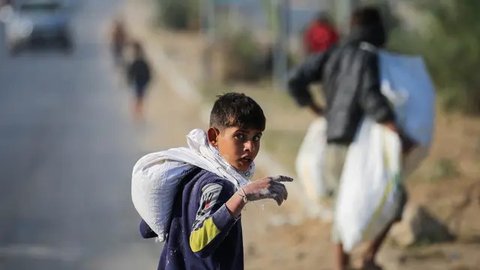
370,193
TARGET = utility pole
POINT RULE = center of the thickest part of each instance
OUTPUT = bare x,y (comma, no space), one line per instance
343,10
208,27
280,50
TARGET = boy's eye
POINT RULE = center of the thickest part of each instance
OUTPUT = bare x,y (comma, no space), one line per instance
240,137
257,138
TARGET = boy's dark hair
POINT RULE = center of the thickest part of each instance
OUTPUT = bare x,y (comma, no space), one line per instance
236,109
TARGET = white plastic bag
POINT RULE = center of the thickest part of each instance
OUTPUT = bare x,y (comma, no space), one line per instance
369,188
310,158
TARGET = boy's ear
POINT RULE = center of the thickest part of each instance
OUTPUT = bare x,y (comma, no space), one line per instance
212,134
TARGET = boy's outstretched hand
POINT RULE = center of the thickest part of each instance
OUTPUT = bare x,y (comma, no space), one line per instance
268,187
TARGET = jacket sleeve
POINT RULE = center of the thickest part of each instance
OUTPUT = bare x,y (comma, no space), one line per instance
308,72
372,101
212,221
146,231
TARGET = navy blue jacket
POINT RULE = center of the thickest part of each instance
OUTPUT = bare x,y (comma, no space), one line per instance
202,234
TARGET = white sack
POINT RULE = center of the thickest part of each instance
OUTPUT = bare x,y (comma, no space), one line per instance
368,194
310,160
156,176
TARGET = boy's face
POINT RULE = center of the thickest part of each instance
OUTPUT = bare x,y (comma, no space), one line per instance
237,146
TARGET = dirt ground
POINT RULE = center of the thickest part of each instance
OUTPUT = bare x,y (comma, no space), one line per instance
286,238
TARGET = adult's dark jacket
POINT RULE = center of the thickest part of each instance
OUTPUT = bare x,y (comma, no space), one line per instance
350,80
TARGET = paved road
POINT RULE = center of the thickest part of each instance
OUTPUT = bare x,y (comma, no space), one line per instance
66,151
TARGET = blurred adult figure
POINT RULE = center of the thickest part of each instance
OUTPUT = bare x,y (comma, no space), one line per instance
349,74
139,75
6,10
5,3
118,39
320,34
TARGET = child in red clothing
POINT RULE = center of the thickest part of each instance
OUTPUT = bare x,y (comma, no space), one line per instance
320,35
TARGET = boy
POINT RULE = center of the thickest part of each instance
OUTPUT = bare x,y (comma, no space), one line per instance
205,230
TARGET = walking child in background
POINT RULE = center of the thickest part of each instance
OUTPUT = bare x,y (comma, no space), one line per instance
139,76
118,40
205,230
320,35
350,80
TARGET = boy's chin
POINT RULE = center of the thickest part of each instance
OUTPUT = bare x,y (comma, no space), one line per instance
242,168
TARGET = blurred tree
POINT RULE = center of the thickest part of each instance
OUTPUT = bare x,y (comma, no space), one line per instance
245,59
178,15
449,40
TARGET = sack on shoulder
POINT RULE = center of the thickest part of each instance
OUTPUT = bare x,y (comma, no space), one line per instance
405,82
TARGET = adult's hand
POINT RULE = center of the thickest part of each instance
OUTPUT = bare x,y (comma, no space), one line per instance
407,143
316,109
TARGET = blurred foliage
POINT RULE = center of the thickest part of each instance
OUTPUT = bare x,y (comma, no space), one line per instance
178,15
245,59
444,168
449,41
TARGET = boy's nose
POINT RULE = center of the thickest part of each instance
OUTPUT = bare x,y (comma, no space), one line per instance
249,146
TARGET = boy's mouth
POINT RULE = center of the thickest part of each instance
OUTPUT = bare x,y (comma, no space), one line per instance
246,159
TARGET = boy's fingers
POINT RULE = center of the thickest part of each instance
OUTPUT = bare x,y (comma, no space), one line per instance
282,178
283,190
279,189
278,198
274,193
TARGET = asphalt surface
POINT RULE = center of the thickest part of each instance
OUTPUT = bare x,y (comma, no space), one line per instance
67,146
